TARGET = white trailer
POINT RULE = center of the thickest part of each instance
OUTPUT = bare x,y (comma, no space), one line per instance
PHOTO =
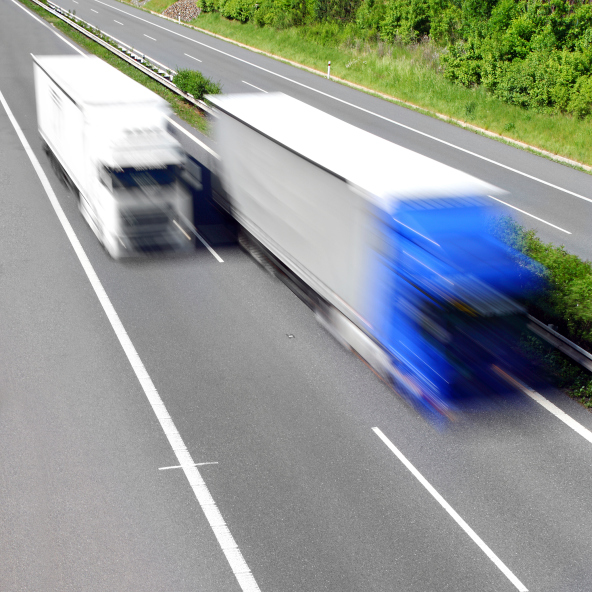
107,137
307,186
392,249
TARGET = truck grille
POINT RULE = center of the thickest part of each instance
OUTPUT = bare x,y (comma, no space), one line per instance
132,219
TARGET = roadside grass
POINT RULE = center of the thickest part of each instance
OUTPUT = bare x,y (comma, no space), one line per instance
180,107
158,5
411,73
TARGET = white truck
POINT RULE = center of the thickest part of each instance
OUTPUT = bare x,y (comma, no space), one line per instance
106,136
391,249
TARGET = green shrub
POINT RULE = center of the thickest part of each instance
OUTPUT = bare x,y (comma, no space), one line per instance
567,300
531,53
196,84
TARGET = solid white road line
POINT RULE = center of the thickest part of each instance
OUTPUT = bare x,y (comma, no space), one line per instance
46,25
208,505
190,135
117,22
195,465
149,37
543,402
190,56
496,560
411,129
531,215
255,86
559,414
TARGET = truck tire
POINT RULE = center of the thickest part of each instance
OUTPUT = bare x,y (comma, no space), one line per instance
256,252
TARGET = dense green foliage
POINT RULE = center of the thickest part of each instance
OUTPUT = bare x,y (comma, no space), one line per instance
566,303
196,84
535,54
567,300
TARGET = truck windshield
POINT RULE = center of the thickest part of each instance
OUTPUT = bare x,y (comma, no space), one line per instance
129,177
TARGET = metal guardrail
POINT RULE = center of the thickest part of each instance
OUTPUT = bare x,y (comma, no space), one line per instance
563,344
131,57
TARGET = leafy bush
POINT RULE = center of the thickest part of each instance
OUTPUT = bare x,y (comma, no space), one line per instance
567,301
196,84
535,54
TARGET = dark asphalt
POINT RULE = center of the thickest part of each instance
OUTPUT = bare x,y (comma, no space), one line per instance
313,498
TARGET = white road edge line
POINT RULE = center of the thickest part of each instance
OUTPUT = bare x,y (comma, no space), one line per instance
496,560
255,86
190,56
195,465
190,135
233,554
411,129
543,402
118,22
46,25
531,215
559,414
149,37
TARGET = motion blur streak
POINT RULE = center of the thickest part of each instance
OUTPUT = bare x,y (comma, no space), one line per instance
106,136
392,250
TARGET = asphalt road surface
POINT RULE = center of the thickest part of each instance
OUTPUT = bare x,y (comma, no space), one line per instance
314,498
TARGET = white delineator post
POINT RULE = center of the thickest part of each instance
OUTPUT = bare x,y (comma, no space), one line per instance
329,69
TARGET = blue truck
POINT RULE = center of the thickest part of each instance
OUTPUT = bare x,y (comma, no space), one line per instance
392,250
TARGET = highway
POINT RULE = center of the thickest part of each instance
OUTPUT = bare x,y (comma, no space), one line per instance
278,416
552,198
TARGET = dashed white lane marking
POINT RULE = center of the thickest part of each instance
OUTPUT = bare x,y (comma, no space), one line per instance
255,86
531,215
75,2
117,22
149,37
233,554
44,23
95,10
190,56
496,560
200,238
344,102
180,466
181,229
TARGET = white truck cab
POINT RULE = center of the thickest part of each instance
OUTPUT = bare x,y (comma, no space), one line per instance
107,135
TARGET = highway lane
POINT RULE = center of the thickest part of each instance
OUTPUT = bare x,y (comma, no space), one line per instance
84,506
557,216
312,496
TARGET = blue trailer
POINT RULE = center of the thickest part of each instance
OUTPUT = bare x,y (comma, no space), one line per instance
393,251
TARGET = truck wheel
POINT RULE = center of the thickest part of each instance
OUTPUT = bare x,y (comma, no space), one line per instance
253,249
